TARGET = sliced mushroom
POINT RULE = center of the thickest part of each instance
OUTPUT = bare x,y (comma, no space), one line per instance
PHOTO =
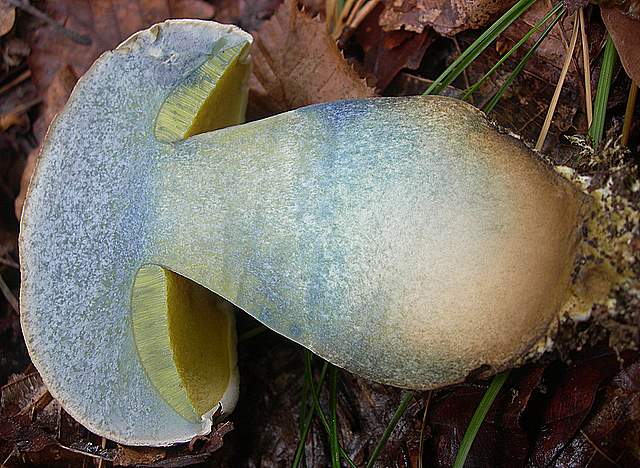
404,239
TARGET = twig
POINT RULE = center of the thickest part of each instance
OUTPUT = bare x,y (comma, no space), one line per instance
354,11
424,420
404,403
4,463
16,81
363,13
9,262
556,94
18,380
628,114
73,35
82,452
8,295
103,444
586,64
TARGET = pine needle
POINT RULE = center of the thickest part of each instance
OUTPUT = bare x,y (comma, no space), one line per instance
602,94
556,95
308,421
472,89
628,114
318,410
404,403
586,65
522,63
478,417
333,422
422,426
478,46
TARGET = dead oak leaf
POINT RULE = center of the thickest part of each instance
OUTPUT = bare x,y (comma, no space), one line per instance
624,32
295,63
7,17
447,17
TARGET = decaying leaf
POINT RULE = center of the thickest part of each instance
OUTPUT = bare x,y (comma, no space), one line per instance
7,17
295,63
388,52
447,17
624,30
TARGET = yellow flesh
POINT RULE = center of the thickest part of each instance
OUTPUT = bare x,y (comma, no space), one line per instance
184,333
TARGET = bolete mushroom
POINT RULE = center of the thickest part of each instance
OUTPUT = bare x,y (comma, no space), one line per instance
404,239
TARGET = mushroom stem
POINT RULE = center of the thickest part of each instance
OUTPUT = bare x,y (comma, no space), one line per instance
377,256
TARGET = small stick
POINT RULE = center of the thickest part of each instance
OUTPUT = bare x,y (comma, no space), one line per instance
16,81
586,64
363,13
354,11
628,114
424,420
8,295
103,444
73,35
559,85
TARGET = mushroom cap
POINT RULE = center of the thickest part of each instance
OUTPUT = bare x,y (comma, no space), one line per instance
403,239
85,233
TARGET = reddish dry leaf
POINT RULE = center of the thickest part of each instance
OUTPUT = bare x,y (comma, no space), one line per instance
248,14
386,53
625,33
447,17
295,63
7,17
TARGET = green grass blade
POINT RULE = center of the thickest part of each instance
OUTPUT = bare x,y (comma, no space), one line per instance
478,418
320,413
521,64
308,421
404,403
472,89
333,423
602,94
478,46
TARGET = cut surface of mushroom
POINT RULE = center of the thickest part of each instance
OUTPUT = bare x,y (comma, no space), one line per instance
403,239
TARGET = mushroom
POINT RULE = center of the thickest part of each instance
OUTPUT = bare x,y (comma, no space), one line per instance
406,240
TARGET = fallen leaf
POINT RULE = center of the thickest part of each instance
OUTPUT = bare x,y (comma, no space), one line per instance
602,440
624,31
248,14
295,63
447,17
386,53
7,17
568,403
132,456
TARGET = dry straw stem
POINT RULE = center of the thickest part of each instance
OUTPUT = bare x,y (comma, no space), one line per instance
556,94
628,115
586,64
360,14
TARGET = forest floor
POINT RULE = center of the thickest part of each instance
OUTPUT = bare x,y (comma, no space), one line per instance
572,408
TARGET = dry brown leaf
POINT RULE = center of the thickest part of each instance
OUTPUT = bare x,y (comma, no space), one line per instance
625,33
7,17
447,17
135,456
386,53
295,63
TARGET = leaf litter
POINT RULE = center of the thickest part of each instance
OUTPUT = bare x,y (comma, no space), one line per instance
585,412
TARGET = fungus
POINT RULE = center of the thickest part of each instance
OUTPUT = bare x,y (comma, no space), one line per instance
404,239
